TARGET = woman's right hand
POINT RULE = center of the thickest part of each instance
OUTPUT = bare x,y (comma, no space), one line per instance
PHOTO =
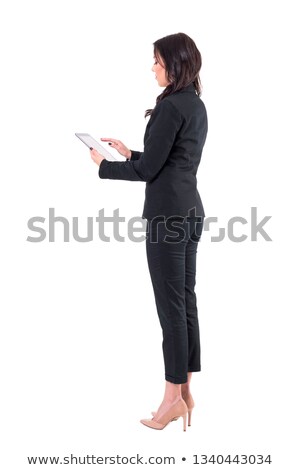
119,146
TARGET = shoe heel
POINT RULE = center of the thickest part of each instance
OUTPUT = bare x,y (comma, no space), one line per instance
190,416
184,421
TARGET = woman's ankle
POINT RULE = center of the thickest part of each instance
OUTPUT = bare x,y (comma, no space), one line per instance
185,387
170,398
185,390
172,391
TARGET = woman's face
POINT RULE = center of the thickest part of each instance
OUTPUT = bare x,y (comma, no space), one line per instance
160,72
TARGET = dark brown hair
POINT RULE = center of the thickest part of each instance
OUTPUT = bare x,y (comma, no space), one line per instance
182,61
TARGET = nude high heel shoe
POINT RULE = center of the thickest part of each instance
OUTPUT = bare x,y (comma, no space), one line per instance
190,405
176,410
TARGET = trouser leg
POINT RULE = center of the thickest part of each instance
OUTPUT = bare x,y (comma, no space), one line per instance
166,261
194,350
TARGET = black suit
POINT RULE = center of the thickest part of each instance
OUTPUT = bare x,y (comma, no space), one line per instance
173,142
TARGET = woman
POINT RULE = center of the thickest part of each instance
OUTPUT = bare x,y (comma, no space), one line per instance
173,142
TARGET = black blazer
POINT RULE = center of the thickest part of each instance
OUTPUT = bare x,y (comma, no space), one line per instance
173,143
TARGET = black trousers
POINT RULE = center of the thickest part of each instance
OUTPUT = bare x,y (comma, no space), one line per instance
171,247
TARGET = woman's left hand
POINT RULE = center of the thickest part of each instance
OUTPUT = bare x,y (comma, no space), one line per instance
96,156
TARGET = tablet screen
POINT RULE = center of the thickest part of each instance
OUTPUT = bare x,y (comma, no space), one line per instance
89,141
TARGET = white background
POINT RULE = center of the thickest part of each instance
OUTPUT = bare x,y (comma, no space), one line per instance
81,357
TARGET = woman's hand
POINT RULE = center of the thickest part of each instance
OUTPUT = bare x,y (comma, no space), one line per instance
96,156
119,146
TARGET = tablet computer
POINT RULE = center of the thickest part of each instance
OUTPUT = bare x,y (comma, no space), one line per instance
88,140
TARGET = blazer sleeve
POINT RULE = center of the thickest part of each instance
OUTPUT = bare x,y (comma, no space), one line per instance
135,155
163,126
